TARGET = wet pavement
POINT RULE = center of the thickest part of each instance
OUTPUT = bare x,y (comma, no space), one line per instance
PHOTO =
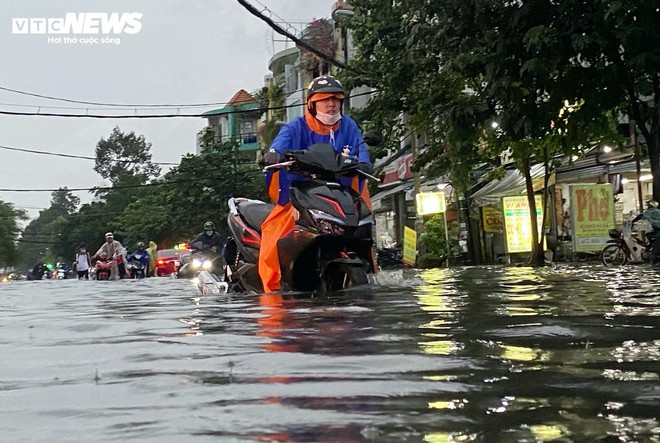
494,354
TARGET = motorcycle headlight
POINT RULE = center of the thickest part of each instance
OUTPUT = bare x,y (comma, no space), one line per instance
207,265
326,223
197,263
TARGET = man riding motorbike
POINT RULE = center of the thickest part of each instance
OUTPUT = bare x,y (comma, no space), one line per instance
207,239
141,256
208,244
323,122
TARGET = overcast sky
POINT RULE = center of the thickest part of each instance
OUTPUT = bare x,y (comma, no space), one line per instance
186,52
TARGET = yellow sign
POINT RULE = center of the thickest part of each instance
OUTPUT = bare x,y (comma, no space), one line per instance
430,203
492,219
518,224
409,246
592,216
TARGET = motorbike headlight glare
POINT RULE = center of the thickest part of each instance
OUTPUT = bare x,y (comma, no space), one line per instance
207,265
196,263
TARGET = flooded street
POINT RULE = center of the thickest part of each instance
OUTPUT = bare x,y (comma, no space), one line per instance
568,353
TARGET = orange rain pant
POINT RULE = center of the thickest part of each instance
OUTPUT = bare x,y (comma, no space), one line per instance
279,222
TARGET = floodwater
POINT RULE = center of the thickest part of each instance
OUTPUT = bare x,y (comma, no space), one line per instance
491,354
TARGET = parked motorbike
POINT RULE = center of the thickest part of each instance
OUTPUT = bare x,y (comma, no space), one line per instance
389,258
624,247
330,247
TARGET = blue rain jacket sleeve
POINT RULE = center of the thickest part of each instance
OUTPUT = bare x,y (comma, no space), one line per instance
296,135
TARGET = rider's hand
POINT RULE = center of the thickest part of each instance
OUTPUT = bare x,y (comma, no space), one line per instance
270,158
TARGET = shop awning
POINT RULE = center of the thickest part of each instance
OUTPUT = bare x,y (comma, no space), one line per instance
513,183
386,193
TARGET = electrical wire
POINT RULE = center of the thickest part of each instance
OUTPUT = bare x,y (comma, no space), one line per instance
130,106
303,44
82,157
108,188
205,115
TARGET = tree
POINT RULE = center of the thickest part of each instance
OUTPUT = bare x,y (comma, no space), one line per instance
482,76
9,231
201,185
122,155
64,201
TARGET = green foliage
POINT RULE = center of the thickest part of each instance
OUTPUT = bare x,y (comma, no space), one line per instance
552,75
122,155
275,99
9,230
202,185
434,239
168,210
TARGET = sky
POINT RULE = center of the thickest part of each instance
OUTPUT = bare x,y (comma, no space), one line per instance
175,52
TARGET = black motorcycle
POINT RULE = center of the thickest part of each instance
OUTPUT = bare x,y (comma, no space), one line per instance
389,258
330,247
199,260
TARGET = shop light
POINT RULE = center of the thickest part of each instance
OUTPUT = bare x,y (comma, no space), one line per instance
646,177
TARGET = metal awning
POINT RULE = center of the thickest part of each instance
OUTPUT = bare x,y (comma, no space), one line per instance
513,183
399,188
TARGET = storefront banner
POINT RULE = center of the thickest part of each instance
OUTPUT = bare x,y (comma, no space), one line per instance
492,219
518,226
409,246
592,216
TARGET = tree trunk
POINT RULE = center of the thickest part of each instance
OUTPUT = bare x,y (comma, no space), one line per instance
536,257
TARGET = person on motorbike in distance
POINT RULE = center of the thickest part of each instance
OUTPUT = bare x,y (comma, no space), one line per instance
207,239
144,257
113,250
323,122
652,215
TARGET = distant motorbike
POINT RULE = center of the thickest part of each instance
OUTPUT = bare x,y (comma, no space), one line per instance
135,267
330,247
209,260
62,272
624,247
103,268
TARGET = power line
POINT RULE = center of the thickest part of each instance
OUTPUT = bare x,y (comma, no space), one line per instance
100,116
254,11
178,115
124,105
55,154
108,188
83,102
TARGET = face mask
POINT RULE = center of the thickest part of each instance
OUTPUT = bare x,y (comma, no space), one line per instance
328,119
209,233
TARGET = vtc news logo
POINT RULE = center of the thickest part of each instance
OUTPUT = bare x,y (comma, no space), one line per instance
80,23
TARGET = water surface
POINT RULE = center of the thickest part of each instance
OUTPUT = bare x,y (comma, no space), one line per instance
567,353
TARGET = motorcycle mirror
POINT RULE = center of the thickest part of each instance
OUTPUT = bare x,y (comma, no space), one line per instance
373,137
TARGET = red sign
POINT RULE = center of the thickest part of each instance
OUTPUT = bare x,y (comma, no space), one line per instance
398,170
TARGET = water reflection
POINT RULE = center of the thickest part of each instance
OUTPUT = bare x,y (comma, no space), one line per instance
564,353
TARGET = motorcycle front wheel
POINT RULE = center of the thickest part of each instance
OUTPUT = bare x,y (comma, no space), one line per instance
614,255
343,277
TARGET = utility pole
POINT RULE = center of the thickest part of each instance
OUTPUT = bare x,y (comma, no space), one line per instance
419,222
